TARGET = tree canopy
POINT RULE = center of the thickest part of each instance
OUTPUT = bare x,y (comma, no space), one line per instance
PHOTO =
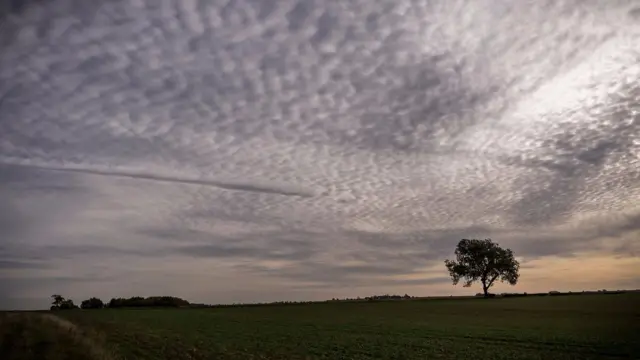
151,301
92,303
484,261
60,303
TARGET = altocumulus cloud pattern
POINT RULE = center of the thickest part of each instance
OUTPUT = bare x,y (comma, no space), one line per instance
255,150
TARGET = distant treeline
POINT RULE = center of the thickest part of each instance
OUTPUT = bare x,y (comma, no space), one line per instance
152,301
60,303
557,293
377,298
388,297
274,303
406,297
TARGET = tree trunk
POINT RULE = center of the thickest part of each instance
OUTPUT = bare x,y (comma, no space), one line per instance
486,290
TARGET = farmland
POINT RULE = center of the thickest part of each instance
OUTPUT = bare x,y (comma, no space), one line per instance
546,327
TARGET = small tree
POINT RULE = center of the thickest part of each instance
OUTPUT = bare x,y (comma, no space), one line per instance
60,303
484,261
57,302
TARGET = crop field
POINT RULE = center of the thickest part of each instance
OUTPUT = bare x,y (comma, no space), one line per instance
546,327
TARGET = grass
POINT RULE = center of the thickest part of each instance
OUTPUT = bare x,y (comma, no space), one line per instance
26,336
551,327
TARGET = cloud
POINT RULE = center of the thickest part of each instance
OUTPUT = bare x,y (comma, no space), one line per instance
292,250
11,264
153,177
299,149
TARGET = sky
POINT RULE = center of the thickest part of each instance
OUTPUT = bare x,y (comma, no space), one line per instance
265,150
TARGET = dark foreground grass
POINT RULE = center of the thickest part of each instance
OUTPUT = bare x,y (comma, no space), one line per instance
27,336
555,327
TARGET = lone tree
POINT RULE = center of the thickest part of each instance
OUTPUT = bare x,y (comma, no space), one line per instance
485,261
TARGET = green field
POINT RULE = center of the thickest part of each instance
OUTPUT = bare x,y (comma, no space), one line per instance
548,327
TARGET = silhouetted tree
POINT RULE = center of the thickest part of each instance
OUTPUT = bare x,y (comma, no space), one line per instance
60,303
484,261
57,301
68,305
92,303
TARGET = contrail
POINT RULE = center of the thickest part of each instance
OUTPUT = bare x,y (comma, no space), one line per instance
238,186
